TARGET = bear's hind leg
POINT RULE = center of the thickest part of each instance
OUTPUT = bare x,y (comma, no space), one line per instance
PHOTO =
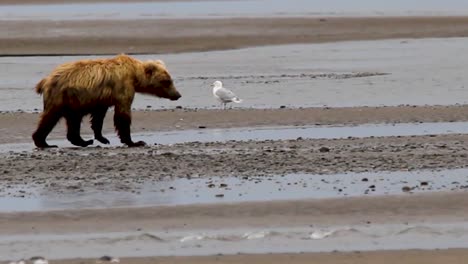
47,122
73,129
97,119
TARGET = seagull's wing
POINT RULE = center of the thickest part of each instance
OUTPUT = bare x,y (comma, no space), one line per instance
225,95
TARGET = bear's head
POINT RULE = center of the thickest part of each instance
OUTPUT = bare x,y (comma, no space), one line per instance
158,81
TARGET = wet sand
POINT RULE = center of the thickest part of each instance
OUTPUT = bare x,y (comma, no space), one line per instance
443,207
452,256
68,170
24,38
64,233
17,127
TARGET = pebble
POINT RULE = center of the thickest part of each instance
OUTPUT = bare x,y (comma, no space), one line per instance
324,149
108,259
406,189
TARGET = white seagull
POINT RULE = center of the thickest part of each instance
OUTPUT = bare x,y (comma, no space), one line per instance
224,95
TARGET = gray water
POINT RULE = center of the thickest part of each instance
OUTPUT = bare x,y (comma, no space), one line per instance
419,72
246,189
239,8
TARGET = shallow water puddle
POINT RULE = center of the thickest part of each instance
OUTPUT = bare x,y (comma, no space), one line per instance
243,189
308,132
274,76
274,133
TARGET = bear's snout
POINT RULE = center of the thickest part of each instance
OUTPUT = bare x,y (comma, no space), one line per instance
175,96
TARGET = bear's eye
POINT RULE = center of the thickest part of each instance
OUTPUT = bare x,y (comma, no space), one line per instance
166,82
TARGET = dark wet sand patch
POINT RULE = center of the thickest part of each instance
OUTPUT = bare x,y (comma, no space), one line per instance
25,38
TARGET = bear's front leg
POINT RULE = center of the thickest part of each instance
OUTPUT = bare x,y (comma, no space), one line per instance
122,122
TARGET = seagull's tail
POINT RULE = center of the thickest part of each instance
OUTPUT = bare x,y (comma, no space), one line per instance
237,100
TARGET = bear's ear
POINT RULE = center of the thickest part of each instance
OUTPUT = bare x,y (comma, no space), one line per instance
160,62
149,69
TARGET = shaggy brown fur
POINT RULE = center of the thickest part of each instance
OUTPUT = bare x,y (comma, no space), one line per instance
84,87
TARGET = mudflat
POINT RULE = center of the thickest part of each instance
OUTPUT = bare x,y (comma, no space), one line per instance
147,223
17,127
157,36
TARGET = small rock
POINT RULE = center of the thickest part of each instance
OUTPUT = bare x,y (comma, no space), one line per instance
365,180
219,195
223,185
324,149
282,107
424,183
406,189
178,107
202,127
108,259
39,260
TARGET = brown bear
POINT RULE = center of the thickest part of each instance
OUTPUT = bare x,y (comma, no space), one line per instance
75,89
